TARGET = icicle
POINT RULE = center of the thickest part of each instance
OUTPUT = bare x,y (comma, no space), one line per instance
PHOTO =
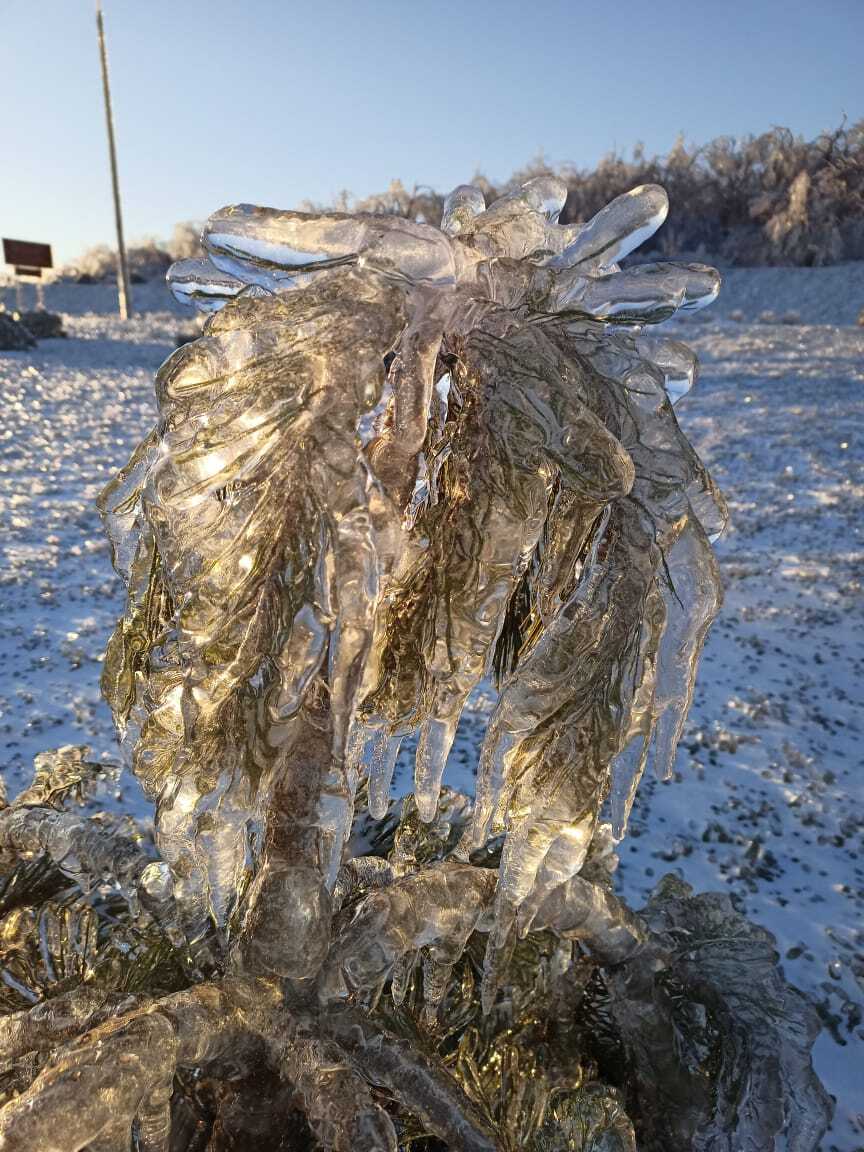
675,360
629,765
379,753
692,596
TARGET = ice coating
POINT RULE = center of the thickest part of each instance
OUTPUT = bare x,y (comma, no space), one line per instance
265,245
644,293
201,283
433,911
675,360
618,229
398,461
464,203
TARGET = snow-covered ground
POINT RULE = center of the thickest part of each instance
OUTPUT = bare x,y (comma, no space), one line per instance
769,800
84,299
830,295
769,793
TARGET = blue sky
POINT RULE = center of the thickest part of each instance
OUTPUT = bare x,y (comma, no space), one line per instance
276,101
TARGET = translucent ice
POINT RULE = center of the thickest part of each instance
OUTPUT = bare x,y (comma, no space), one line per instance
399,460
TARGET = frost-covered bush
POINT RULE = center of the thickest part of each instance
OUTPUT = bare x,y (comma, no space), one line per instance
769,199
43,325
148,260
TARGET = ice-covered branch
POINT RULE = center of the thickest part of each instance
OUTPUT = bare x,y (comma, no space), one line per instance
401,461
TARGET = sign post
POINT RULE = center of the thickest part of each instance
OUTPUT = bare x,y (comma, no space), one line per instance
28,259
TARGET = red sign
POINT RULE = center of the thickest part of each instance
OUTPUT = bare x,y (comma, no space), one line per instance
26,254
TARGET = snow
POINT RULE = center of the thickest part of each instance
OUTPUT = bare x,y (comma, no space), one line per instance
767,799
830,295
94,299
768,803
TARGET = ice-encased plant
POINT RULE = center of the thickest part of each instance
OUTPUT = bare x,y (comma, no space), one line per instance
399,460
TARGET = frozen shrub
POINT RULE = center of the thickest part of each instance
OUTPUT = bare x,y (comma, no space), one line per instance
43,325
185,242
769,199
400,458
14,336
148,260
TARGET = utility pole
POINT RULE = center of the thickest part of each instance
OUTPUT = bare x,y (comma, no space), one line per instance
124,298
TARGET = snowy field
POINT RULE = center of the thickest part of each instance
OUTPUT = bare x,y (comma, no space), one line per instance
768,801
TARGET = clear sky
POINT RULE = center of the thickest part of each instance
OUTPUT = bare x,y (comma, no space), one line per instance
276,101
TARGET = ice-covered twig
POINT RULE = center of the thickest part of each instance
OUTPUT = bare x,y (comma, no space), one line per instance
425,1087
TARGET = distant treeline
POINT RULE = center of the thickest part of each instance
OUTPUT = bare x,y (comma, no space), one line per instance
770,199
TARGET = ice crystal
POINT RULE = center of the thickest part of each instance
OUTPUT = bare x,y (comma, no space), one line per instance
399,460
